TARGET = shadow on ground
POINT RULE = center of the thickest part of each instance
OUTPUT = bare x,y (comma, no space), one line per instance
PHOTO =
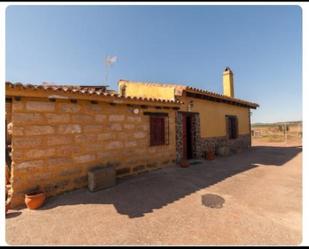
142,194
12,214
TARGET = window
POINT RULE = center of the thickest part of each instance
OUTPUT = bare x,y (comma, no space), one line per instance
232,127
157,130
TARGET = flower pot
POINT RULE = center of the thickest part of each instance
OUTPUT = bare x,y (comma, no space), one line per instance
34,200
184,163
210,155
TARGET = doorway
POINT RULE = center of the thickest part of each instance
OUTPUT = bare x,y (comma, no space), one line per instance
187,136
188,142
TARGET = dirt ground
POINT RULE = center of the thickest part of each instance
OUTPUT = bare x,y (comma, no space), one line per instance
254,197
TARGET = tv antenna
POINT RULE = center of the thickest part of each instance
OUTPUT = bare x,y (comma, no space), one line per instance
109,61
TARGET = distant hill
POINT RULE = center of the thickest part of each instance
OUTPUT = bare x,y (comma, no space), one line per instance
277,123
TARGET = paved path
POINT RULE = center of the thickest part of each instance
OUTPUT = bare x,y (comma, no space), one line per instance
260,188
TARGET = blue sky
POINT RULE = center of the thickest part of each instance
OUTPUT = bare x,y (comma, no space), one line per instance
174,44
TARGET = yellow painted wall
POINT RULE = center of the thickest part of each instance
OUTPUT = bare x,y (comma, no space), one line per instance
212,116
148,91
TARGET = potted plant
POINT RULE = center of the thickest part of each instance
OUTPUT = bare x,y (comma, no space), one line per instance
210,153
184,163
35,198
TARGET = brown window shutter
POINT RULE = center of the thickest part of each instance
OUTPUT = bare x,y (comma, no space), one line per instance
157,130
231,127
236,127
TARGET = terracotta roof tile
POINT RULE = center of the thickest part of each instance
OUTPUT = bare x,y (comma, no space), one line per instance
179,89
223,97
83,90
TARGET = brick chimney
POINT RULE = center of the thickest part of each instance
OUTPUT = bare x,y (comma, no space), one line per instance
228,82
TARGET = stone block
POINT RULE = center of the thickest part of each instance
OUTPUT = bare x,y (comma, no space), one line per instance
69,129
129,126
114,145
29,164
70,172
106,155
85,138
101,178
65,150
26,142
84,158
18,106
56,161
100,118
50,188
93,128
93,147
57,118
59,140
130,144
24,118
40,106
143,127
40,153
139,134
116,118
39,130
115,127
81,118
69,107
17,155
105,136
92,109
134,119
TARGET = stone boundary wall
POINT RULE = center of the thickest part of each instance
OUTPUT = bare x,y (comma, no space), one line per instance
54,144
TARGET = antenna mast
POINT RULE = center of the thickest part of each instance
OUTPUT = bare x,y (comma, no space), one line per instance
109,60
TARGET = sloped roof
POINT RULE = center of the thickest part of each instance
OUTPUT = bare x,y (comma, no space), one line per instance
222,97
180,89
81,90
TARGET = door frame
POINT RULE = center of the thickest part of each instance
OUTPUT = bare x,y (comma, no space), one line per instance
185,152
195,135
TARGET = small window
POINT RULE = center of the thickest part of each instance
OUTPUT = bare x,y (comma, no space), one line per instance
232,127
157,130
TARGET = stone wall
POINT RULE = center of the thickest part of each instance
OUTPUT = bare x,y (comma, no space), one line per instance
200,145
235,145
195,134
8,110
54,144
179,134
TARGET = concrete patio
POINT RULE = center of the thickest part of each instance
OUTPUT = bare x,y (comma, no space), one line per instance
260,190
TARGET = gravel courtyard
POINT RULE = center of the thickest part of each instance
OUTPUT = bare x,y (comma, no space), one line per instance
254,197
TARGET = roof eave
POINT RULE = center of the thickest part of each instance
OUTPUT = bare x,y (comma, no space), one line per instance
32,91
221,98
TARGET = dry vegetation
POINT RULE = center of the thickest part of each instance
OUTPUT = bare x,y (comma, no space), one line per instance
275,133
